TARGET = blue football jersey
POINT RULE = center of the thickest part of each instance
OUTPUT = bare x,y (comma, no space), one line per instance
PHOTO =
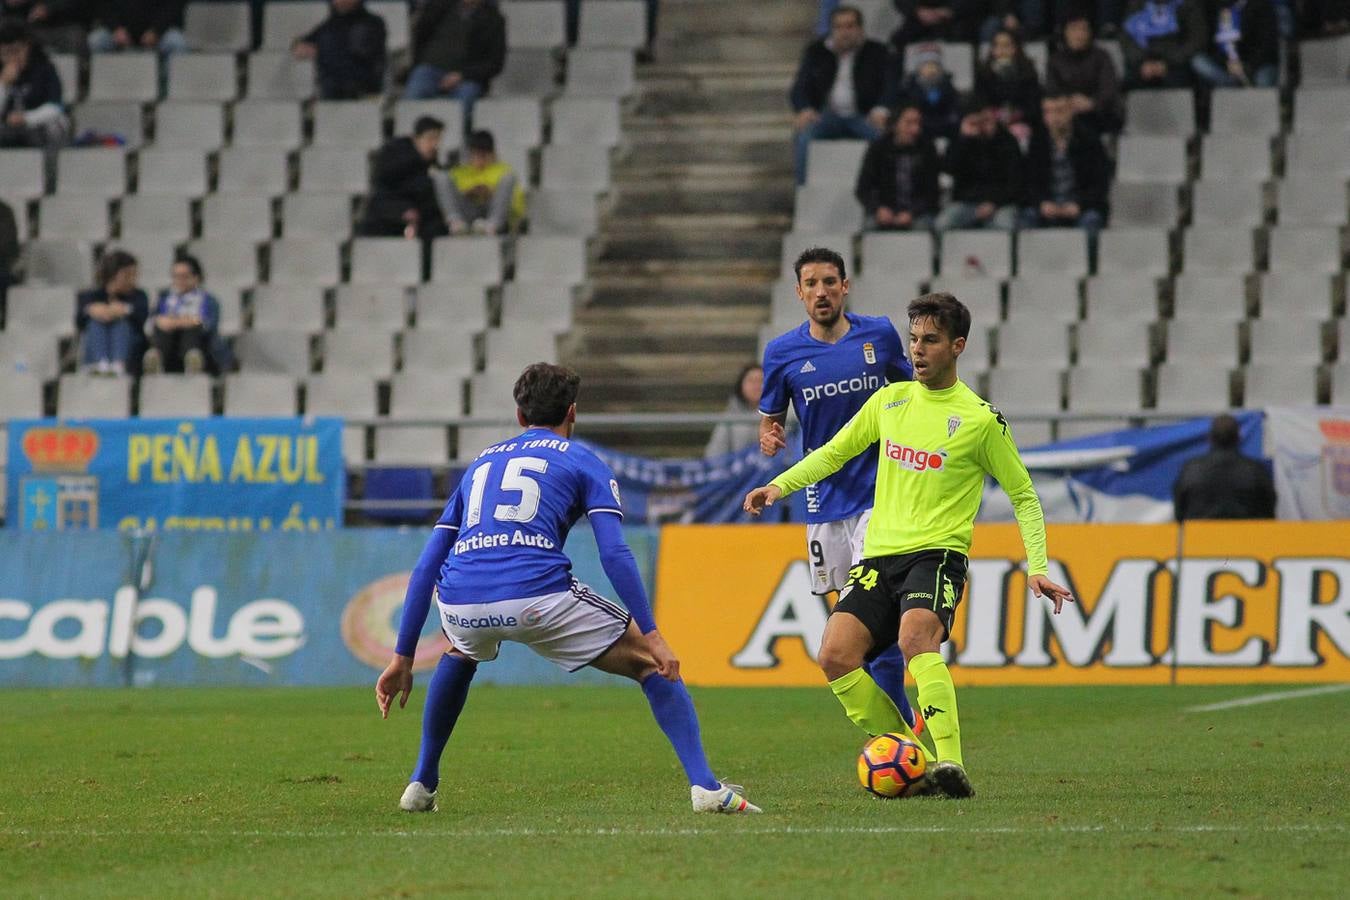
511,514
827,384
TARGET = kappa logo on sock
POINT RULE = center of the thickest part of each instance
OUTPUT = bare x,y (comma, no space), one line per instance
930,711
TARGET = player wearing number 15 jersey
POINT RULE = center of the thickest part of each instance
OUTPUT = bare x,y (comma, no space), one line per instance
496,562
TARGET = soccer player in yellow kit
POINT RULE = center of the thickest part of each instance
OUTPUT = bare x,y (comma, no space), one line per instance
938,440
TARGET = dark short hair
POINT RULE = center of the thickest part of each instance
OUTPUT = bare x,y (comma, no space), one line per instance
845,10
949,313
113,262
544,392
425,124
819,255
1078,14
745,370
481,142
1224,432
1055,95
192,263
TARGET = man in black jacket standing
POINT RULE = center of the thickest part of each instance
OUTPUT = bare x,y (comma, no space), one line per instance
1224,484
402,198
348,49
898,181
458,47
842,88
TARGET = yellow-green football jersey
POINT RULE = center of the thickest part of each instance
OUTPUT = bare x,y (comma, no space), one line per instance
936,447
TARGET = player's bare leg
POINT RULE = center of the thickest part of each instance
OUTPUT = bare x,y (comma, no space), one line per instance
842,651
633,656
921,634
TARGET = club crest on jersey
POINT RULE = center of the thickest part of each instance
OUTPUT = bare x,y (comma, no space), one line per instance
913,458
614,489
869,353
952,424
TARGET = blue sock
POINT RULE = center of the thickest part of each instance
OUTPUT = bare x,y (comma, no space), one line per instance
888,671
674,711
446,693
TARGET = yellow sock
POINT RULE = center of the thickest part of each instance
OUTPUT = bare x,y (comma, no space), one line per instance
869,707
937,699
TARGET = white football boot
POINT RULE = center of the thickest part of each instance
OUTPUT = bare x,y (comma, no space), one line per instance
416,798
728,798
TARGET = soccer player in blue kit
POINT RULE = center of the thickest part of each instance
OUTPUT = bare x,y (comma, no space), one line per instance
826,368
495,561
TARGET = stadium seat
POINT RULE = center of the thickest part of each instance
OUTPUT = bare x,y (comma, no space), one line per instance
237,216
982,296
84,396
544,306
276,75
539,26
1228,203
600,73
512,120
306,261
1047,298
1279,384
528,72
1325,61
252,170
1133,251
349,395
467,260
1340,384
35,310
267,123
425,394
203,76
448,112
218,27
1113,342
259,394
454,305
440,353
903,255
231,301
574,167
67,67
21,174
333,170
504,347
613,23
1161,112
396,26
315,215
1245,111
1193,387
74,216
179,173
835,163
1295,249
1200,342
1144,204
98,172
1276,342
358,350
563,212
1318,109
984,254
796,242
227,262
1231,158
20,396
124,76
1211,296
183,125
1315,154
1311,200
1052,251
274,351
1121,298
1297,295
380,307
554,259
1026,389
411,445
1155,159
348,123
288,307
585,121
870,297
1028,343
156,214
123,120
172,396
23,354
284,22
154,254
1104,389
58,261
379,260
826,208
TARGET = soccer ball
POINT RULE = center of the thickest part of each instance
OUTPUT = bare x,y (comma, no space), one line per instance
891,766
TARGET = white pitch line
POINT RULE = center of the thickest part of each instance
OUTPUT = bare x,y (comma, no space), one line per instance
685,832
1272,697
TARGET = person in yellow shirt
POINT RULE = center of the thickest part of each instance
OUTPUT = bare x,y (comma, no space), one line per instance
482,194
937,441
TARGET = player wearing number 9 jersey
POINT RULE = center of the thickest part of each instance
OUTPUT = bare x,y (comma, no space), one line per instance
496,561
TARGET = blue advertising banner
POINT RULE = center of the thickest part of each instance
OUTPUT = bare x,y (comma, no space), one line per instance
285,608
176,474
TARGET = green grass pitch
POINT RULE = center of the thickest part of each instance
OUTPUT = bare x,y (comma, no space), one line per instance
567,792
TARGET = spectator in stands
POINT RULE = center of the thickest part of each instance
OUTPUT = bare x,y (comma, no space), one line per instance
1159,38
1245,48
1068,173
842,86
957,21
986,168
1087,74
348,49
458,47
482,194
9,250
184,323
402,197
31,112
138,25
1007,79
56,24
111,317
930,88
728,437
1223,484
898,181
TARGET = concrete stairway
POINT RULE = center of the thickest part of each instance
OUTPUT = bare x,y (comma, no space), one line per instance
688,251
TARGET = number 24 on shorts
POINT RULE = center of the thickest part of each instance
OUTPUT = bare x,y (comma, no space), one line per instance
864,576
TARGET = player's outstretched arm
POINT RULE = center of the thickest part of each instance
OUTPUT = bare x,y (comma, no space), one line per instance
1044,587
760,497
396,679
